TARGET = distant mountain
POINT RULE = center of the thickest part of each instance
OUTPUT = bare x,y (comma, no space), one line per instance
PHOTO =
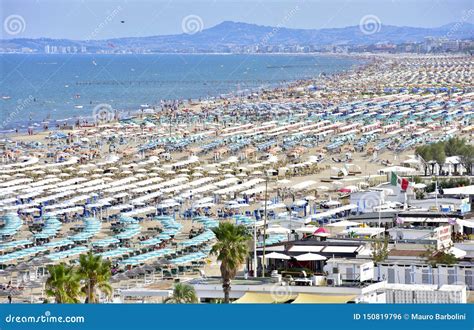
229,35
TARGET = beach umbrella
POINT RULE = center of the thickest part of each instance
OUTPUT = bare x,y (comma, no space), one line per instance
131,273
321,230
256,173
276,255
310,229
4,273
278,230
310,257
121,277
38,262
419,186
38,173
344,190
161,262
148,268
140,271
22,267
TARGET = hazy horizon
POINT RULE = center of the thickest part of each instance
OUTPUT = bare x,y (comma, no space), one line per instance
107,19
144,36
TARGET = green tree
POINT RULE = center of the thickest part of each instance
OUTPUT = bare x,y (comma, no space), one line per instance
454,146
183,294
439,257
231,250
438,154
466,157
379,250
425,153
63,284
96,275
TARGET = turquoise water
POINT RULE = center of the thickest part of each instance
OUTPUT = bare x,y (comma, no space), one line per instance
48,87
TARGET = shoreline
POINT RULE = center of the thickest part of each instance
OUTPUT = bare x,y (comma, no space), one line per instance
281,84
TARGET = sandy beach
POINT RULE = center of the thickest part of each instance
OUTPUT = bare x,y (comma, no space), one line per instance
198,164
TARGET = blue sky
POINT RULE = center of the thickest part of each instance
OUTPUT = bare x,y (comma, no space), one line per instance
101,19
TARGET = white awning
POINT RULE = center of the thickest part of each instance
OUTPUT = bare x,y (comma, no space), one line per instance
306,248
340,249
465,223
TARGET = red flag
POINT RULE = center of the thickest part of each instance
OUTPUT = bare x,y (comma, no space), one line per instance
402,183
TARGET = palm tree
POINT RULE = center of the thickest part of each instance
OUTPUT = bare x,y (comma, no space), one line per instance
231,250
96,274
183,294
63,284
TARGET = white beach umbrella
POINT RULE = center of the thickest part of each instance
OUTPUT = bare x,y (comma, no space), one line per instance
276,255
310,257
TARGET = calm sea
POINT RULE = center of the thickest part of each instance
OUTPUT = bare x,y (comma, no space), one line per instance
35,88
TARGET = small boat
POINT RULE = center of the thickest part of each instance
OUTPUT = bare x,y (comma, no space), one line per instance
78,106
6,97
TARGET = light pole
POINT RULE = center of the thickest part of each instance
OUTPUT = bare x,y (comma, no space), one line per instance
264,225
255,263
